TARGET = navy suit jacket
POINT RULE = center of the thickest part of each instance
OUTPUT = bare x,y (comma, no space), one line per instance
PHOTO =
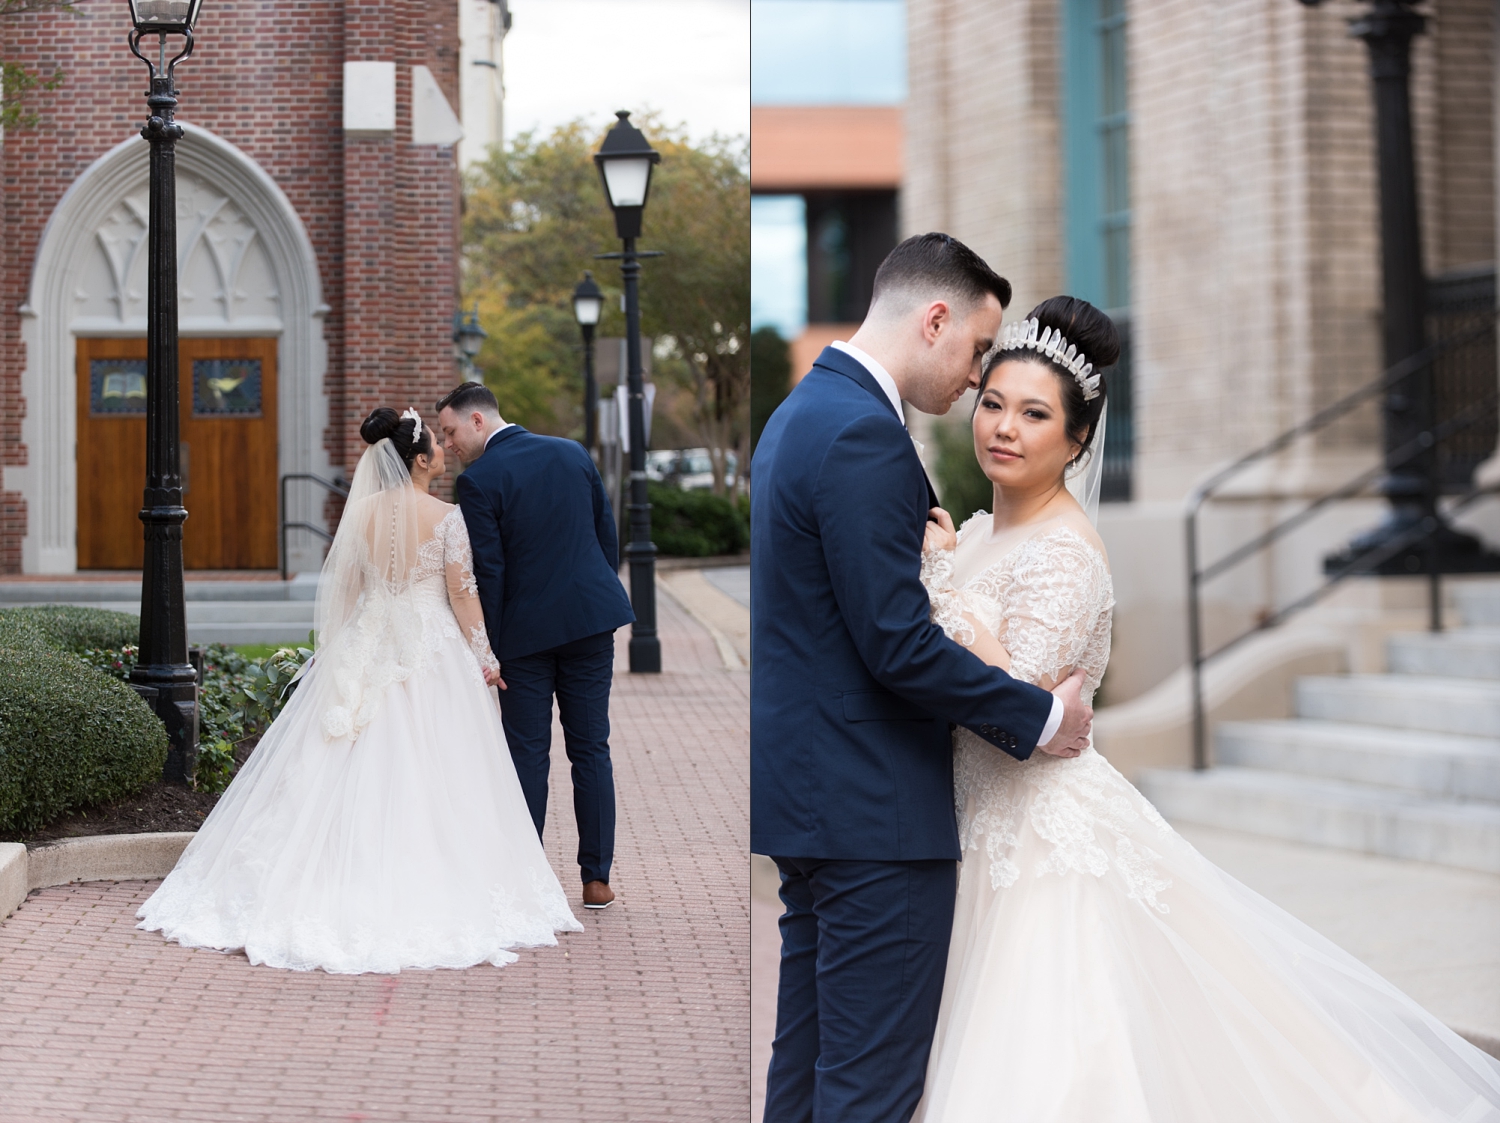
852,687
546,556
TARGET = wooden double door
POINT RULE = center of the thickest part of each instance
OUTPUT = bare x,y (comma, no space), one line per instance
227,397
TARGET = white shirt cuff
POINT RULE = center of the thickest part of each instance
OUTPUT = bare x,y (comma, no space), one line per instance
1054,720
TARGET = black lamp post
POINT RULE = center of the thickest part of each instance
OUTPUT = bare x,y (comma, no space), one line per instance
625,161
163,676
588,303
469,338
1409,411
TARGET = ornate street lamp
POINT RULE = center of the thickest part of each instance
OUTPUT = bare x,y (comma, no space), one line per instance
469,338
588,303
625,161
163,676
1410,484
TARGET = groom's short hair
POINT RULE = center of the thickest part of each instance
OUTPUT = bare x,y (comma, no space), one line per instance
938,266
468,397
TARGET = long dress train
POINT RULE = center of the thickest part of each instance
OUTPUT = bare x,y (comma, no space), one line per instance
1101,970
379,824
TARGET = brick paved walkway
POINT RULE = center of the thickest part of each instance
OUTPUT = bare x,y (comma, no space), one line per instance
643,1016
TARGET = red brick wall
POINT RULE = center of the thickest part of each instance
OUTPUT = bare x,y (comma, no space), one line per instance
382,213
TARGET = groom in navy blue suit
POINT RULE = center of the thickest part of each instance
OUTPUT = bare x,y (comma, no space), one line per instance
853,690
546,561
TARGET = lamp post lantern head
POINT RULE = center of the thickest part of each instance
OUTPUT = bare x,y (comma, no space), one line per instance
625,160
588,302
467,333
160,17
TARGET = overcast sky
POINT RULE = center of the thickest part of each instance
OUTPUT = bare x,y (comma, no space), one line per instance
690,59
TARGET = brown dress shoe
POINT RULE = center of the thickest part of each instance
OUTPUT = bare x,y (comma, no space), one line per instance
597,895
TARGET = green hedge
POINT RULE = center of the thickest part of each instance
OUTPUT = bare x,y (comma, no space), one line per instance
70,735
73,629
697,524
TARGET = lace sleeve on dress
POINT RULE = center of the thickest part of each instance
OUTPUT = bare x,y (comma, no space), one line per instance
947,602
1058,589
463,590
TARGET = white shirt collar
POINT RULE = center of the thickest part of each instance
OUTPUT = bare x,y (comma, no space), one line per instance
500,430
879,373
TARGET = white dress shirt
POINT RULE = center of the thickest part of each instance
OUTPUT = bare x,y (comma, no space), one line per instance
879,373
884,380
504,426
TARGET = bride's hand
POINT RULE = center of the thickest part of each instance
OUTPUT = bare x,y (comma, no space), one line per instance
940,533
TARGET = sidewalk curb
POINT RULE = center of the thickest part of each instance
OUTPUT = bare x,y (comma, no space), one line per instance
729,656
104,857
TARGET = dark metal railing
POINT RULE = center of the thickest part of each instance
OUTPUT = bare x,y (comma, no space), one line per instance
333,486
1476,416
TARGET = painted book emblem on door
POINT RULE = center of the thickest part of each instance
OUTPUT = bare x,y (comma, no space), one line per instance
117,386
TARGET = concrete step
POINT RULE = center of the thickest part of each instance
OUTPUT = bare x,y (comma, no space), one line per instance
1436,765
287,633
301,587
1478,602
234,622
1333,813
233,612
1464,653
1438,705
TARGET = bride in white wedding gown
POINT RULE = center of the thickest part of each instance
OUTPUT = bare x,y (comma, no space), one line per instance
1101,970
379,824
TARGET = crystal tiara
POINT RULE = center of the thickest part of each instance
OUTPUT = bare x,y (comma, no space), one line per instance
1050,344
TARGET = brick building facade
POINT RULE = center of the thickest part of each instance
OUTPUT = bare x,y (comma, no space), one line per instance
1252,284
323,224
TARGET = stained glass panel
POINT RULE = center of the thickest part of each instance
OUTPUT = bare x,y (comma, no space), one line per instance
117,387
226,388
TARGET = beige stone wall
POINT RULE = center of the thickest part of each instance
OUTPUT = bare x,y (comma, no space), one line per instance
982,136
1463,41
1255,239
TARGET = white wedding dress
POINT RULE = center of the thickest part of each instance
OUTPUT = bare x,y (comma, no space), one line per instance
1101,970
379,823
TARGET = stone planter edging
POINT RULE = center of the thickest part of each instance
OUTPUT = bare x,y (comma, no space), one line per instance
103,857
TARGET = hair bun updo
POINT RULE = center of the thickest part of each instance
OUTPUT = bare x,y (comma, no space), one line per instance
385,422
1082,325
382,423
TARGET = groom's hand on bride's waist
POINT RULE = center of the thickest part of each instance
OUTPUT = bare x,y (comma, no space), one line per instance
1072,736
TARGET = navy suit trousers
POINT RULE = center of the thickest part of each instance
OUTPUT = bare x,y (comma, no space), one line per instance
864,946
579,674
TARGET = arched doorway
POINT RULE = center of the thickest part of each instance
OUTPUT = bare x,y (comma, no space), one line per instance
253,362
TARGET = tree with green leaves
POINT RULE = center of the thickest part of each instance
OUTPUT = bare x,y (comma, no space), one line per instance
770,377
535,216
17,82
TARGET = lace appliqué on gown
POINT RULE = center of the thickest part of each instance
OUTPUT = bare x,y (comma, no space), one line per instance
1048,601
400,623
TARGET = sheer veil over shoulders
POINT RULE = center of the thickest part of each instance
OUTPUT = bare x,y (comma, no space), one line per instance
1100,968
379,823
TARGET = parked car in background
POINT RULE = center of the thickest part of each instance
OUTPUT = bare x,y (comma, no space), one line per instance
691,469
660,464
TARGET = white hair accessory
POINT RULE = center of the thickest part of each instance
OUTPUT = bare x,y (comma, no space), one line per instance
416,434
1050,344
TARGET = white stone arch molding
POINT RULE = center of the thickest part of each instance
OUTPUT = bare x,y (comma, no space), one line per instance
246,267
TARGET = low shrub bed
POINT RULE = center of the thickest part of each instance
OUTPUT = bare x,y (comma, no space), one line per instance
238,700
70,736
697,524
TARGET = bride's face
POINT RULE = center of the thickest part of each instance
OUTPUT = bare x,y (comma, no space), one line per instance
431,465
1020,436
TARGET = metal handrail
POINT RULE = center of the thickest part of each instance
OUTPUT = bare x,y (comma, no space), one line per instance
1423,443
334,486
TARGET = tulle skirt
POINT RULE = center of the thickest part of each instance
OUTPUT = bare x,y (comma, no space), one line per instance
409,845
1101,970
